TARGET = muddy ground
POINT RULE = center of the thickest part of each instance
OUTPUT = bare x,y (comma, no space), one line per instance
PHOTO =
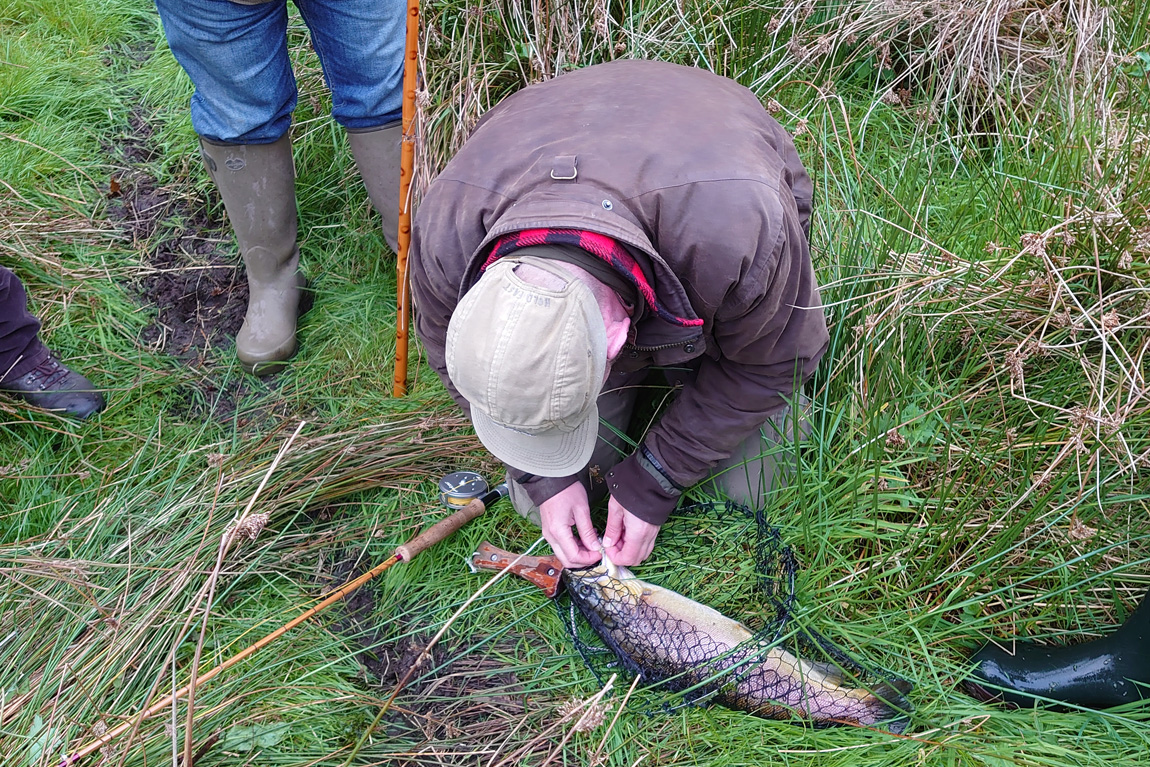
472,700
192,279
191,275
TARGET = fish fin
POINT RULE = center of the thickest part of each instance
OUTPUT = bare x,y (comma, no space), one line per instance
888,705
831,674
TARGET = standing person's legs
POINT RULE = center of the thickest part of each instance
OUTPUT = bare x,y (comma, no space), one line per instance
360,44
20,347
237,58
236,55
27,368
360,47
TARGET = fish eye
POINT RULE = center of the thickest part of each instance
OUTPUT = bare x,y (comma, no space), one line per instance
585,590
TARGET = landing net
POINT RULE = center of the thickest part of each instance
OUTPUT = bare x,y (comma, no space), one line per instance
761,674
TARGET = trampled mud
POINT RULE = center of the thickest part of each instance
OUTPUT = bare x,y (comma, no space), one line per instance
190,276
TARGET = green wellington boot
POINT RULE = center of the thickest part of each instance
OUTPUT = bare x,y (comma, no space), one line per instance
376,152
257,183
1098,674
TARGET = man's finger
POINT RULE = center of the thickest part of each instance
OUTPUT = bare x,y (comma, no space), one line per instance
624,550
568,549
637,544
583,559
613,532
587,533
611,535
628,555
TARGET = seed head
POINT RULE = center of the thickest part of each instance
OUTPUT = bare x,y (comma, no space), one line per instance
895,440
1112,424
1082,417
1033,242
1080,531
600,19
593,718
1110,321
16,468
250,527
1142,240
1014,363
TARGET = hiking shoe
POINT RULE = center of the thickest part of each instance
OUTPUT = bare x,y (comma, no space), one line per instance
53,386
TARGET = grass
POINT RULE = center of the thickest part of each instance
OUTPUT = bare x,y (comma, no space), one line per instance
977,467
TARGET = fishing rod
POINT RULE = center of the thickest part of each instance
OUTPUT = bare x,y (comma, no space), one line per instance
469,505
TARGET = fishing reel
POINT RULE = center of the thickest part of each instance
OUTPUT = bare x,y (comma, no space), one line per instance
460,488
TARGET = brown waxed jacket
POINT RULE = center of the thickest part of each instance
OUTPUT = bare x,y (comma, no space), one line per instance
688,171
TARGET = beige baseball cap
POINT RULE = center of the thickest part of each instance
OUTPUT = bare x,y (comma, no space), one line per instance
530,360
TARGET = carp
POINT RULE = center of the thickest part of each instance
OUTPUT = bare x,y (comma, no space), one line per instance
663,635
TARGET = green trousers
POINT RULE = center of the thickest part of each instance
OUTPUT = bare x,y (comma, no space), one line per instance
629,406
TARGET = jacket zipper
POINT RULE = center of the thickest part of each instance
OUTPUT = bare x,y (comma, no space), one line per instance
661,347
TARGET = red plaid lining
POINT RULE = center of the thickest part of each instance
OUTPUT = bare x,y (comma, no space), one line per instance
598,245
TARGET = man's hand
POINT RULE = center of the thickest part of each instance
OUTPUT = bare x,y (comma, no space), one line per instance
557,514
628,539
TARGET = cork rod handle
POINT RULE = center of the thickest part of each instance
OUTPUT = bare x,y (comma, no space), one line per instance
445,527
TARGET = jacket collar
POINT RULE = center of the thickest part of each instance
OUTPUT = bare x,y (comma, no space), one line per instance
607,250
586,208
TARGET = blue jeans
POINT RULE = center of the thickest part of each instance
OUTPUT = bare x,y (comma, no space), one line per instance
237,57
